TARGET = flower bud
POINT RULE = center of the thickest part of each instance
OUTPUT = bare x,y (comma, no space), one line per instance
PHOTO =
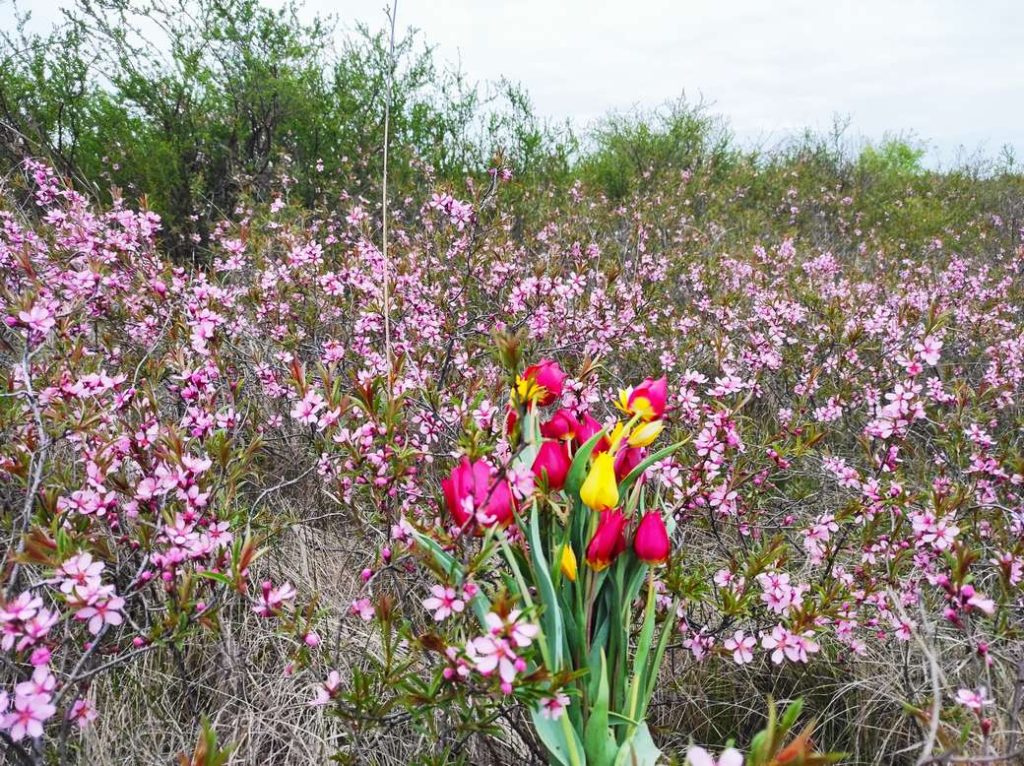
645,433
553,462
626,460
608,540
568,563
586,429
651,543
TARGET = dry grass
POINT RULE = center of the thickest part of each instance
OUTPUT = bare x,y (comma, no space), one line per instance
152,709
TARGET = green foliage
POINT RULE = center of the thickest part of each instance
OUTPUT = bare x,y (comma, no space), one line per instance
197,103
196,107
639,148
894,158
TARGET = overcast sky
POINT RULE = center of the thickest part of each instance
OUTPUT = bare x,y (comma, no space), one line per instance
950,72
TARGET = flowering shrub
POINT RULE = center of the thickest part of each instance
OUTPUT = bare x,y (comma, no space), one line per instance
816,487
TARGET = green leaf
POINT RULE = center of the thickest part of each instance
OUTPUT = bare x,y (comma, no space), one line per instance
790,715
598,739
596,657
639,750
554,736
651,674
643,649
551,616
634,571
646,463
220,577
759,748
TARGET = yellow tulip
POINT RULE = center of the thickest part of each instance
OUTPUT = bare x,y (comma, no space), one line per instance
569,563
599,491
646,433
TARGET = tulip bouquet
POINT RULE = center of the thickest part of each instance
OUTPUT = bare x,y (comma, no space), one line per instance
578,535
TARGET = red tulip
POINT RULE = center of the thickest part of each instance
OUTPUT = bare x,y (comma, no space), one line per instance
651,543
626,459
474,493
562,425
608,540
586,430
648,399
552,461
542,382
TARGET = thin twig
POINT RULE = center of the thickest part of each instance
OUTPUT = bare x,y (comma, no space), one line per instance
392,13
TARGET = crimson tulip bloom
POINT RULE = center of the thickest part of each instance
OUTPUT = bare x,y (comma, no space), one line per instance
651,543
627,459
541,383
474,494
562,425
648,399
588,426
552,461
608,540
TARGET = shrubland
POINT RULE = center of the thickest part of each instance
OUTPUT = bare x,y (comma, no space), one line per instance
270,480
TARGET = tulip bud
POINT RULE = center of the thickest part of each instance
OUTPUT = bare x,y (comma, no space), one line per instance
568,563
651,543
608,541
586,429
553,462
511,419
599,491
626,460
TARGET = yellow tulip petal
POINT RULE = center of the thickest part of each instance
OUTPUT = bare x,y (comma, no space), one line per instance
646,433
569,563
599,491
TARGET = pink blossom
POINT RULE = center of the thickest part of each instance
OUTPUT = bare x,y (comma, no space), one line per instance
28,716
552,708
363,608
82,713
741,646
973,699
698,756
273,600
326,691
443,602
38,319
100,611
